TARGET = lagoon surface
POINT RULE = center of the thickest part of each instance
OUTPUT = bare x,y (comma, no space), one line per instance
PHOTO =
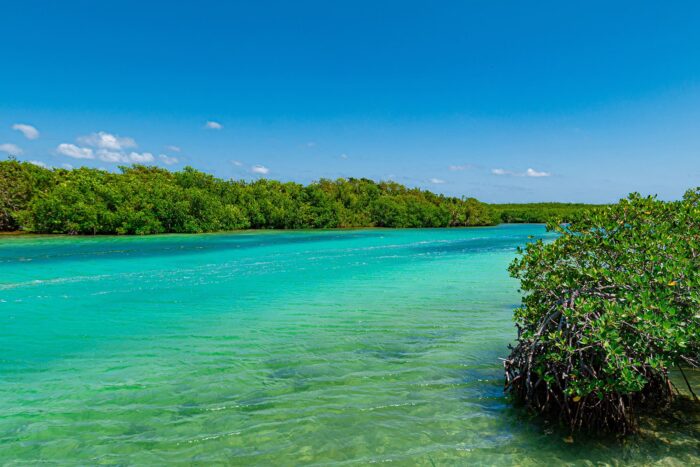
260,348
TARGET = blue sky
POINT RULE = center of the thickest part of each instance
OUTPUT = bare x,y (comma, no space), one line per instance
505,101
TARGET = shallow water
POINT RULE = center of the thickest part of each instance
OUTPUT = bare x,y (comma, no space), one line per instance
330,347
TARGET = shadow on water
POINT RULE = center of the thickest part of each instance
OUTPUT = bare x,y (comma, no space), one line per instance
55,250
672,436
393,352
409,346
473,245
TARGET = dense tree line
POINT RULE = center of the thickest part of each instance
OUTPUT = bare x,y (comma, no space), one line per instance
537,212
610,307
148,200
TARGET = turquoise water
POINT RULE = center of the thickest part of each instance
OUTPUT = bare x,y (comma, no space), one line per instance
330,347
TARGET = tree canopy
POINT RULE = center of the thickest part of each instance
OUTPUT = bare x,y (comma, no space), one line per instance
609,307
537,212
150,200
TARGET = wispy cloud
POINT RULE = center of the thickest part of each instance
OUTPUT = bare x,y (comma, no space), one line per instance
76,152
260,169
111,156
125,158
437,181
104,140
535,173
237,163
11,149
139,158
173,148
343,156
501,172
211,125
28,131
528,173
167,160
39,164
457,168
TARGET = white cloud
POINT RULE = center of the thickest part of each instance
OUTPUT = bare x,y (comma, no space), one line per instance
71,150
343,156
107,151
105,140
213,125
237,163
124,158
173,148
110,156
11,149
136,158
437,181
167,160
39,163
527,173
260,169
67,166
110,148
457,168
535,173
28,131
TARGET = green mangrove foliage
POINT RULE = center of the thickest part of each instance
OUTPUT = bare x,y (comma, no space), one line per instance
150,200
19,182
609,307
537,212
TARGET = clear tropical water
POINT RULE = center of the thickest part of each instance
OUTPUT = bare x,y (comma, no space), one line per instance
343,347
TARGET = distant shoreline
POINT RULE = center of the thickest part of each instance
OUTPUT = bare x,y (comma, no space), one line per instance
21,233
145,200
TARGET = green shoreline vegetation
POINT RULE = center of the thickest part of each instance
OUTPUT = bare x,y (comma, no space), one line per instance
144,200
610,308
